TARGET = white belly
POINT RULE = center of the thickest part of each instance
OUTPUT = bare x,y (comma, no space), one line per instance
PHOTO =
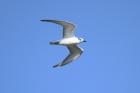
69,41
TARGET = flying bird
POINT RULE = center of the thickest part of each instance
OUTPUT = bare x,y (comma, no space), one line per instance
69,40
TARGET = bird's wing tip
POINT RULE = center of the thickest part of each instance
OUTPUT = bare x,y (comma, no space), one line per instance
57,65
43,20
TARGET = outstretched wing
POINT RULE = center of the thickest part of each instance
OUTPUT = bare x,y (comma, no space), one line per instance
68,28
75,53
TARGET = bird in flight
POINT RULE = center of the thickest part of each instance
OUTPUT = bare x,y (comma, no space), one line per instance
69,40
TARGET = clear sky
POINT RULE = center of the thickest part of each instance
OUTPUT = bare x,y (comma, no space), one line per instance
109,64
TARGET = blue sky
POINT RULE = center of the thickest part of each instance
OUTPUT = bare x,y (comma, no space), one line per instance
109,64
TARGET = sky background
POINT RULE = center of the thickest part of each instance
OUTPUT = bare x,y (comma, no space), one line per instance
109,64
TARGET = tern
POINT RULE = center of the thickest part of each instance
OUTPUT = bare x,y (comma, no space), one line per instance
69,40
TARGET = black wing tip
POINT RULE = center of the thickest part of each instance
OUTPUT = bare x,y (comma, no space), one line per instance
43,20
57,65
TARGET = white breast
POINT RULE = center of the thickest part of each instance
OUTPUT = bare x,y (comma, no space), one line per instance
69,41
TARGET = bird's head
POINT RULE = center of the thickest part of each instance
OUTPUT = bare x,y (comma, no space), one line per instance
82,40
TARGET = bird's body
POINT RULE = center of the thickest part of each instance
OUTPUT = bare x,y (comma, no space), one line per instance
69,40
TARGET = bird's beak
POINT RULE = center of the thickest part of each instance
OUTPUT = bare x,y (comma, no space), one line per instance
84,41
